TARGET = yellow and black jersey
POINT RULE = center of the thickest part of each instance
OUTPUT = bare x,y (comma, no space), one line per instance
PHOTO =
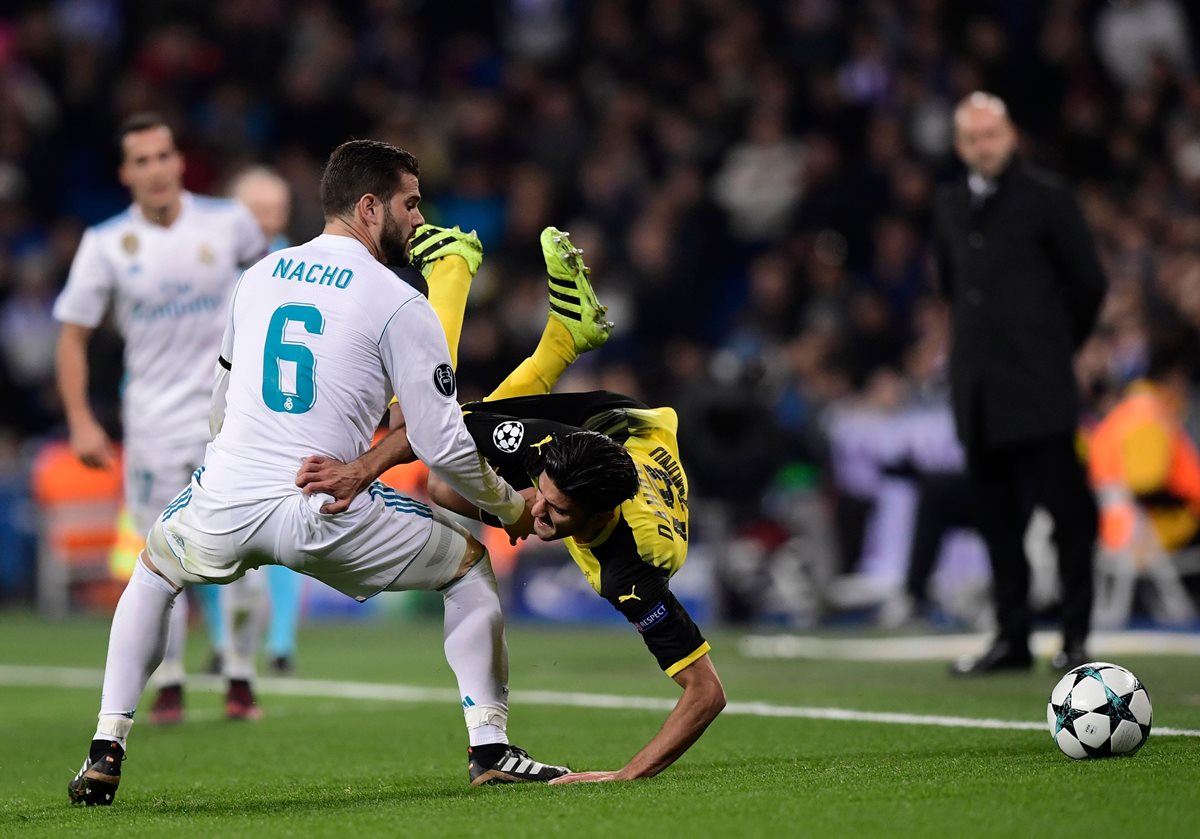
631,561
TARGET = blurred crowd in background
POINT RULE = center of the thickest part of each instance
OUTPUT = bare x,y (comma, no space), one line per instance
750,181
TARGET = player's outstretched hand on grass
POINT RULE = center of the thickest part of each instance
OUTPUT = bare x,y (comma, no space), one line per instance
341,480
587,778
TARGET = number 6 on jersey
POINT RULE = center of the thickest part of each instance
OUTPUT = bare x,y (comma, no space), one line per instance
289,367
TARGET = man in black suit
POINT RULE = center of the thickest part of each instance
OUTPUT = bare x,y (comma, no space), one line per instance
1020,271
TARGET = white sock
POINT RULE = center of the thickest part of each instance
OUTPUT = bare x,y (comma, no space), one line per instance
171,671
244,615
477,652
135,648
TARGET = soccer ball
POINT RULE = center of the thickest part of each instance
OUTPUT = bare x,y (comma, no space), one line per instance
1099,710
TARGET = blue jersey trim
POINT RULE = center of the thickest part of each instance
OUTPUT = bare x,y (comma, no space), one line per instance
398,501
178,504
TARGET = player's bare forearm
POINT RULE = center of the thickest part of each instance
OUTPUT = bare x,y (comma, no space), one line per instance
392,450
703,699
445,496
71,370
89,440
346,480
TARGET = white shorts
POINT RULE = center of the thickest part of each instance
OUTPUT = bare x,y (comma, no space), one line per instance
154,476
385,541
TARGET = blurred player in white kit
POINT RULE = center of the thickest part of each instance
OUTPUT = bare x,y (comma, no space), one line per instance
166,266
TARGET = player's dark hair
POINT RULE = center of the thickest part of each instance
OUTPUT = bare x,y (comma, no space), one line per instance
360,167
592,470
139,122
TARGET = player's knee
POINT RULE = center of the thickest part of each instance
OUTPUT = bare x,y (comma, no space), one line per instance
475,555
146,572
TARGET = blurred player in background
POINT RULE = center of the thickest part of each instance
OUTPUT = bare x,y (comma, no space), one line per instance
606,470
268,197
316,337
166,267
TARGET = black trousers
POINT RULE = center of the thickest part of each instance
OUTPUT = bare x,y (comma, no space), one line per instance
1008,482
943,504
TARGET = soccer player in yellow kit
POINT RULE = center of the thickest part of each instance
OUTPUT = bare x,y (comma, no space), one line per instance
604,469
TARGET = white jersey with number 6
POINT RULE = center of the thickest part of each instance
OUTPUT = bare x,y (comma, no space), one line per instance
318,339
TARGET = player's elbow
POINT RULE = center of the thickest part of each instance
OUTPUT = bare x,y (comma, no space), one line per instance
440,492
710,697
446,456
702,689
716,700
72,342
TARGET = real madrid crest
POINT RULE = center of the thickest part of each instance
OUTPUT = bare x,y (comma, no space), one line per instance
129,243
206,254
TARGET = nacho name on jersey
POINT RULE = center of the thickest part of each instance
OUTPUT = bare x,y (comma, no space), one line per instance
316,273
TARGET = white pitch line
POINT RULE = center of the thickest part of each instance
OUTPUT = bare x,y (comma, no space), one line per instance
933,647
80,677
324,709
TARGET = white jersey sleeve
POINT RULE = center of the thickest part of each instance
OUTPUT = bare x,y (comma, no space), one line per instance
417,361
249,243
90,285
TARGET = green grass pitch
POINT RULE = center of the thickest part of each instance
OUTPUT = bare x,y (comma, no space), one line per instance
327,766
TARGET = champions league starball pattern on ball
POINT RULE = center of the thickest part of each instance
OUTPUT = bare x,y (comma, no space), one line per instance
1099,710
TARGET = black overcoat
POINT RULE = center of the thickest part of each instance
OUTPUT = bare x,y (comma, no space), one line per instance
1025,285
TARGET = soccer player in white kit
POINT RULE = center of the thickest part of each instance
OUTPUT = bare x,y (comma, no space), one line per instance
318,339
167,267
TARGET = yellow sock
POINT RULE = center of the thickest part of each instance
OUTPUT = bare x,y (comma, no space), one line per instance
538,374
449,285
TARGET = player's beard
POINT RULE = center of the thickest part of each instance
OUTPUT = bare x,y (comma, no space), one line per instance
392,242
